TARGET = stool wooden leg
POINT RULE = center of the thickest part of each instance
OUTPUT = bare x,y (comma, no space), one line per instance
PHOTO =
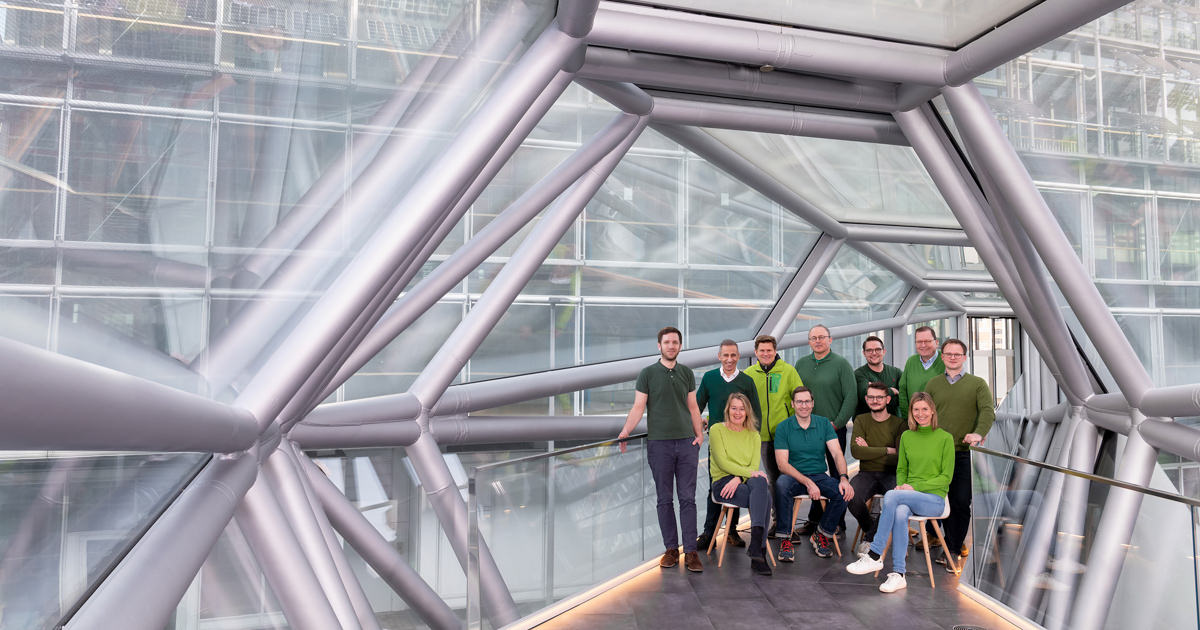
726,517
796,510
767,547
946,550
713,542
928,560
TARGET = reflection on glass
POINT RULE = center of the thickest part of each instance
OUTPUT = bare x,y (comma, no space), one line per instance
230,590
68,519
853,289
562,523
189,163
851,181
940,23
1035,531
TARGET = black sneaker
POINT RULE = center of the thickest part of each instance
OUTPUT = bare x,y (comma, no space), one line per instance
760,566
786,554
702,542
822,545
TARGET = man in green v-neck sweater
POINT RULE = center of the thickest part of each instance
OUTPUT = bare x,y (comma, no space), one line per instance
965,409
920,367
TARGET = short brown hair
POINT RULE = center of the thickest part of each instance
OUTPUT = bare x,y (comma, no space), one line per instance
957,342
876,385
668,330
761,339
801,390
928,329
873,338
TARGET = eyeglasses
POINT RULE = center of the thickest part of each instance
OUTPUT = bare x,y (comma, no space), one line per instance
953,355
923,341
803,402
819,338
873,350
876,397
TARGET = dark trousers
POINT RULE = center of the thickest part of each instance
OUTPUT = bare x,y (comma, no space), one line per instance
814,513
771,467
866,484
755,494
959,497
787,488
712,511
673,466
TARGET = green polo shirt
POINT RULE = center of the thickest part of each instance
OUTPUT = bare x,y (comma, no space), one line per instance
806,447
666,390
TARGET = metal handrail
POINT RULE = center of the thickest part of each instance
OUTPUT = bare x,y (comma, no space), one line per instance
549,454
1178,498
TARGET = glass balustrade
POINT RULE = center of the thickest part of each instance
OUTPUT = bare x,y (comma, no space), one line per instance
1037,528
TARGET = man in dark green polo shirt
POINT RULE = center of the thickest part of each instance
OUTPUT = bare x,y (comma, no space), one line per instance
666,392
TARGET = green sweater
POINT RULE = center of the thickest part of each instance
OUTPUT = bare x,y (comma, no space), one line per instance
732,452
926,460
890,376
831,380
774,394
913,379
879,435
714,392
964,407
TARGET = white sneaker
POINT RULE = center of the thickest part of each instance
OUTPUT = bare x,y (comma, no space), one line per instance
865,565
864,547
894,582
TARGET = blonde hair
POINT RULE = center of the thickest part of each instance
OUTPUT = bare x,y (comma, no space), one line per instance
751,421
927,399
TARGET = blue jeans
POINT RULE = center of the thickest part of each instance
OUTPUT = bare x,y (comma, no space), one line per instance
787,489
898,505
673,463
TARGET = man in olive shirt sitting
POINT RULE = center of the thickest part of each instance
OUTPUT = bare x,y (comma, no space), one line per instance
874,442
666,391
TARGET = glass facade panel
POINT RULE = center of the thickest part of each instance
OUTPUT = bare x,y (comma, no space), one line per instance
851,181
941,23
854,289
68,519
188,164
1124,90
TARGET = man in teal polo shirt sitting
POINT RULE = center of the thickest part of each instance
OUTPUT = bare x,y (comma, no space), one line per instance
801,442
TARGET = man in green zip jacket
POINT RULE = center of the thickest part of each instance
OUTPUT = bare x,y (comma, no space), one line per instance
774,379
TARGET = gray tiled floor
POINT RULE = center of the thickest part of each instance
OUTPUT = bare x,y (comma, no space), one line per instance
810,593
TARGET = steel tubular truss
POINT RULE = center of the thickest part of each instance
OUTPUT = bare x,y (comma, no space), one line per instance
840,87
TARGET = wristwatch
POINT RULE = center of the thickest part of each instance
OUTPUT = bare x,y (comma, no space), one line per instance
844,475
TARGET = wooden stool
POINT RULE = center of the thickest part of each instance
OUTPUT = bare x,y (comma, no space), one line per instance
920,524
796,515
858,535
725,520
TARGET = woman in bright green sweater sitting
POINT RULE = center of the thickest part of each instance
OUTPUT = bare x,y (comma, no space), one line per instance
733,458
926,463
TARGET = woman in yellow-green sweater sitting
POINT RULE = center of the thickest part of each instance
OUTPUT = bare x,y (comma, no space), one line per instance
733,459
926,463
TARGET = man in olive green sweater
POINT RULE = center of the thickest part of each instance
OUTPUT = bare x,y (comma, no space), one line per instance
835,393
874,442
920,367
965,408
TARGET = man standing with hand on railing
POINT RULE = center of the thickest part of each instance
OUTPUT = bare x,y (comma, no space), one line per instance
965,408
666,392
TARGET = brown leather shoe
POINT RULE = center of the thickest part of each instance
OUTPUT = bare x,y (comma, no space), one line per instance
691,560
669,559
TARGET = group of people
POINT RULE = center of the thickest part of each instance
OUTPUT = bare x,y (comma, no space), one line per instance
777,432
